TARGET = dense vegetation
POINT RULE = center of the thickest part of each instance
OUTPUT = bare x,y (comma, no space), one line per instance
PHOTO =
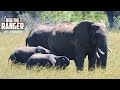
32,17
54,17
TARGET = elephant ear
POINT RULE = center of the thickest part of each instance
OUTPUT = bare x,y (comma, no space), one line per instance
94,29
65,58
99,29
62,59
39,50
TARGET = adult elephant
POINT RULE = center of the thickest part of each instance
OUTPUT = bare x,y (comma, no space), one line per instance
75,42
38,36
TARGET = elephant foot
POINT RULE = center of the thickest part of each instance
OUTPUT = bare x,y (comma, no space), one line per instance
79,69
61,68
91,69
98,66
64,68
28,67
103,67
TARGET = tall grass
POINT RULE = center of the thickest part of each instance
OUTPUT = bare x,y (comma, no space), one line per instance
10,41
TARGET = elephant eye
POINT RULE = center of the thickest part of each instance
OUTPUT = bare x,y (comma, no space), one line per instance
95,27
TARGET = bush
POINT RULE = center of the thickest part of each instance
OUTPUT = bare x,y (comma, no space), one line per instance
117,23
31,18
72,16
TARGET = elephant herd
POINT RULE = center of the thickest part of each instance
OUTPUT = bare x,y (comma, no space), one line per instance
57,45
32,56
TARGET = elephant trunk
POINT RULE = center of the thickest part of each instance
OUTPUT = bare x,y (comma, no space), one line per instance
102,50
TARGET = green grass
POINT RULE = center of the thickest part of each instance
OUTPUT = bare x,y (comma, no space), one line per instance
10,41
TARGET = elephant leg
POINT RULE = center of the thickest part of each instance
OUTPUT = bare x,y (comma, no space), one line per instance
92,59
79,59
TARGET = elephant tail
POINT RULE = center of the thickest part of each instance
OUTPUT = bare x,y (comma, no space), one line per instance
26,41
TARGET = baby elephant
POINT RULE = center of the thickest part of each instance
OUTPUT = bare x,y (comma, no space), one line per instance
48,60
22,54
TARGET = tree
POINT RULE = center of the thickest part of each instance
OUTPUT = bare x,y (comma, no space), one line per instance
111,15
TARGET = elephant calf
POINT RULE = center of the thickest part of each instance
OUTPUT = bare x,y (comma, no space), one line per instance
22,54
49,60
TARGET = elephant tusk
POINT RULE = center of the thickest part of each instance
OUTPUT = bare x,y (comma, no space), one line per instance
109,50
101,51
97,55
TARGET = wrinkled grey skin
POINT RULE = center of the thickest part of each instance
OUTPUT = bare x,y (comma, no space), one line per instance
22,54
62,32
38,36
76,42
48,60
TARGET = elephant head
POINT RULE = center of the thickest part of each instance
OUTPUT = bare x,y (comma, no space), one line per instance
101,35
91,39
40,49
62,61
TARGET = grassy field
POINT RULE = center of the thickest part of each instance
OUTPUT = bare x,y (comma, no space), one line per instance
10,41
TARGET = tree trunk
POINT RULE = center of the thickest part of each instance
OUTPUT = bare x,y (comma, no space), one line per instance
110,15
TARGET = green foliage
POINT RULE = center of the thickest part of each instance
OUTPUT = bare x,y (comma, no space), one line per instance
55,16
72,16
117,23
34,17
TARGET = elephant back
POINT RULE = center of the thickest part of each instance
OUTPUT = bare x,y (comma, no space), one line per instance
64,27
38,36
61,41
